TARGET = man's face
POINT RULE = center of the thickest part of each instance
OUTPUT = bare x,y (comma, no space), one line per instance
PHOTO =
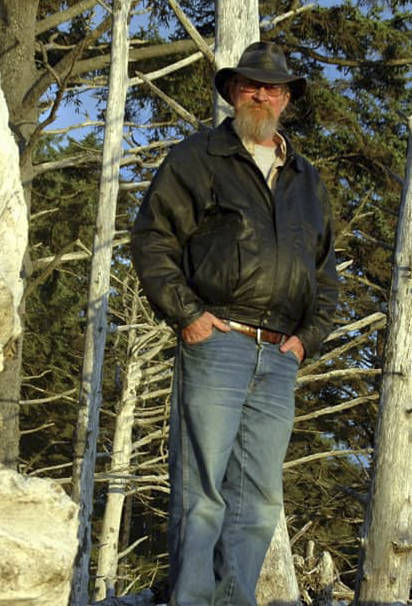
258,107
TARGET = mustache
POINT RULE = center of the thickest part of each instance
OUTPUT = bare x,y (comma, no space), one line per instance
263,107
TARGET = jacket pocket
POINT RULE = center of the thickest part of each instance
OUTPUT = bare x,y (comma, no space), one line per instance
212,258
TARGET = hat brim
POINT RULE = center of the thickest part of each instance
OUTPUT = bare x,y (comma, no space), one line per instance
296,84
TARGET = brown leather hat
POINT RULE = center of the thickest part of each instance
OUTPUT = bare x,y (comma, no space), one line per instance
263,62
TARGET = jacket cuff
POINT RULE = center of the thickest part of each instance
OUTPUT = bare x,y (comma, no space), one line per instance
310,344
189,319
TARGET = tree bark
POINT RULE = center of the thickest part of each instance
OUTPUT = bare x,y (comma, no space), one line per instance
90,391
17,44
17,39
237,26
385,570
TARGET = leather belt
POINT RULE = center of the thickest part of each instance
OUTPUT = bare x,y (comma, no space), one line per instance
260,334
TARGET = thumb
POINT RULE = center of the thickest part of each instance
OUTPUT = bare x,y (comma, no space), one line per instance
288,344
220,324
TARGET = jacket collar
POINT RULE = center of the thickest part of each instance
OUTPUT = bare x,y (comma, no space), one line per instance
223,141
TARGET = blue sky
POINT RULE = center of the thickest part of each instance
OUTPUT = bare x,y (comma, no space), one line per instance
68,114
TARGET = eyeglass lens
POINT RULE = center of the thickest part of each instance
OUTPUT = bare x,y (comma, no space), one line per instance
251,86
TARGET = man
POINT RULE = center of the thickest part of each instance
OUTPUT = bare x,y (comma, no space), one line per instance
233,247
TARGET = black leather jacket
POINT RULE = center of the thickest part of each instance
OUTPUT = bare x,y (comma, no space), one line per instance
210,235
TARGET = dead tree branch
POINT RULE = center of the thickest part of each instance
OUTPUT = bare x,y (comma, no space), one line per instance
338,374
325,455
192,31
269,23
181,111
337,408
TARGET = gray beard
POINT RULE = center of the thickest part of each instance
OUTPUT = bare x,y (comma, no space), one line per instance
254,127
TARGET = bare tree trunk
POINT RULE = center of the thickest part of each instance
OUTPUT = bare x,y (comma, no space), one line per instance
385,570
140,352
237,26
120,464
90,391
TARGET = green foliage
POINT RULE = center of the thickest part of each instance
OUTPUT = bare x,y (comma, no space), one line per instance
63,211
64,204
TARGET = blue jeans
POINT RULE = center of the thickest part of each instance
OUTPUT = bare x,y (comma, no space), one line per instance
231,419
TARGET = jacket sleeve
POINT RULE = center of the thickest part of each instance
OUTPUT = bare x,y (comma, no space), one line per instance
317,323
164,222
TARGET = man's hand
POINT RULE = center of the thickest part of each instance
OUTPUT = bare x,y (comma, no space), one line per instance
201,328
294,344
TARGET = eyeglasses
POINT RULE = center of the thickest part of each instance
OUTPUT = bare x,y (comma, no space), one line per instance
272,90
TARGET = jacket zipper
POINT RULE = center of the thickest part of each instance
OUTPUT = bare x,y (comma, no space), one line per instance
271,206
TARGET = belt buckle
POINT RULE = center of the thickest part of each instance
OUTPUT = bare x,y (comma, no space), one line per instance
258,336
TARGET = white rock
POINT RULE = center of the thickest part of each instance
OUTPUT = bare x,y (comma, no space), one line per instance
38,541
13,232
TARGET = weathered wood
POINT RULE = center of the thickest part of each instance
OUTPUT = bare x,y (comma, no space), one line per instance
90,391
237,26
192,31
277,583
385,571
120,464
326,579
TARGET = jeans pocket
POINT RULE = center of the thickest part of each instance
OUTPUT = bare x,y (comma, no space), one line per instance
295,357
